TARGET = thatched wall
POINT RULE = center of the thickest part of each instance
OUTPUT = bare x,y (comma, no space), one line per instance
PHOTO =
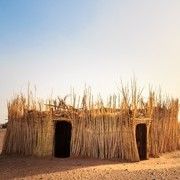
164,135
31,135
104,136
99,136
98,131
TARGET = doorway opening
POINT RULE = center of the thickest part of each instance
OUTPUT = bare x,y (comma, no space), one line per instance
62,139
141,140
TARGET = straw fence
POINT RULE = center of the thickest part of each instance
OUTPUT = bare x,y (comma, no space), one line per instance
98,130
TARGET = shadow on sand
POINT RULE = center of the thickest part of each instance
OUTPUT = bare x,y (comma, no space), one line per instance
19,167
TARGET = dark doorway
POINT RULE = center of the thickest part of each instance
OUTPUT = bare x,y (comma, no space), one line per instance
62,139
141,140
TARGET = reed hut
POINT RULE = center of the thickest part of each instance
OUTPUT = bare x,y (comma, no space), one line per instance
126,128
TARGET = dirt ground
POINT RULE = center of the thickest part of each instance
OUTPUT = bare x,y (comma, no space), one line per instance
13,167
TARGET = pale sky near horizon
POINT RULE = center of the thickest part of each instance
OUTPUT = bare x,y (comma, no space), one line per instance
61,44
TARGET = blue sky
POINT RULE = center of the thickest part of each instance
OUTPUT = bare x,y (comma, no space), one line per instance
58,44
32,24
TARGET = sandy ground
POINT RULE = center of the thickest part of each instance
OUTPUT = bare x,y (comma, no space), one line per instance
165,167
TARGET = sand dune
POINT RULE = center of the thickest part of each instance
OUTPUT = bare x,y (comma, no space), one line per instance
165,167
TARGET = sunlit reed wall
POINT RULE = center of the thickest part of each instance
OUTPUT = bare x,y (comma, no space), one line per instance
99,129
